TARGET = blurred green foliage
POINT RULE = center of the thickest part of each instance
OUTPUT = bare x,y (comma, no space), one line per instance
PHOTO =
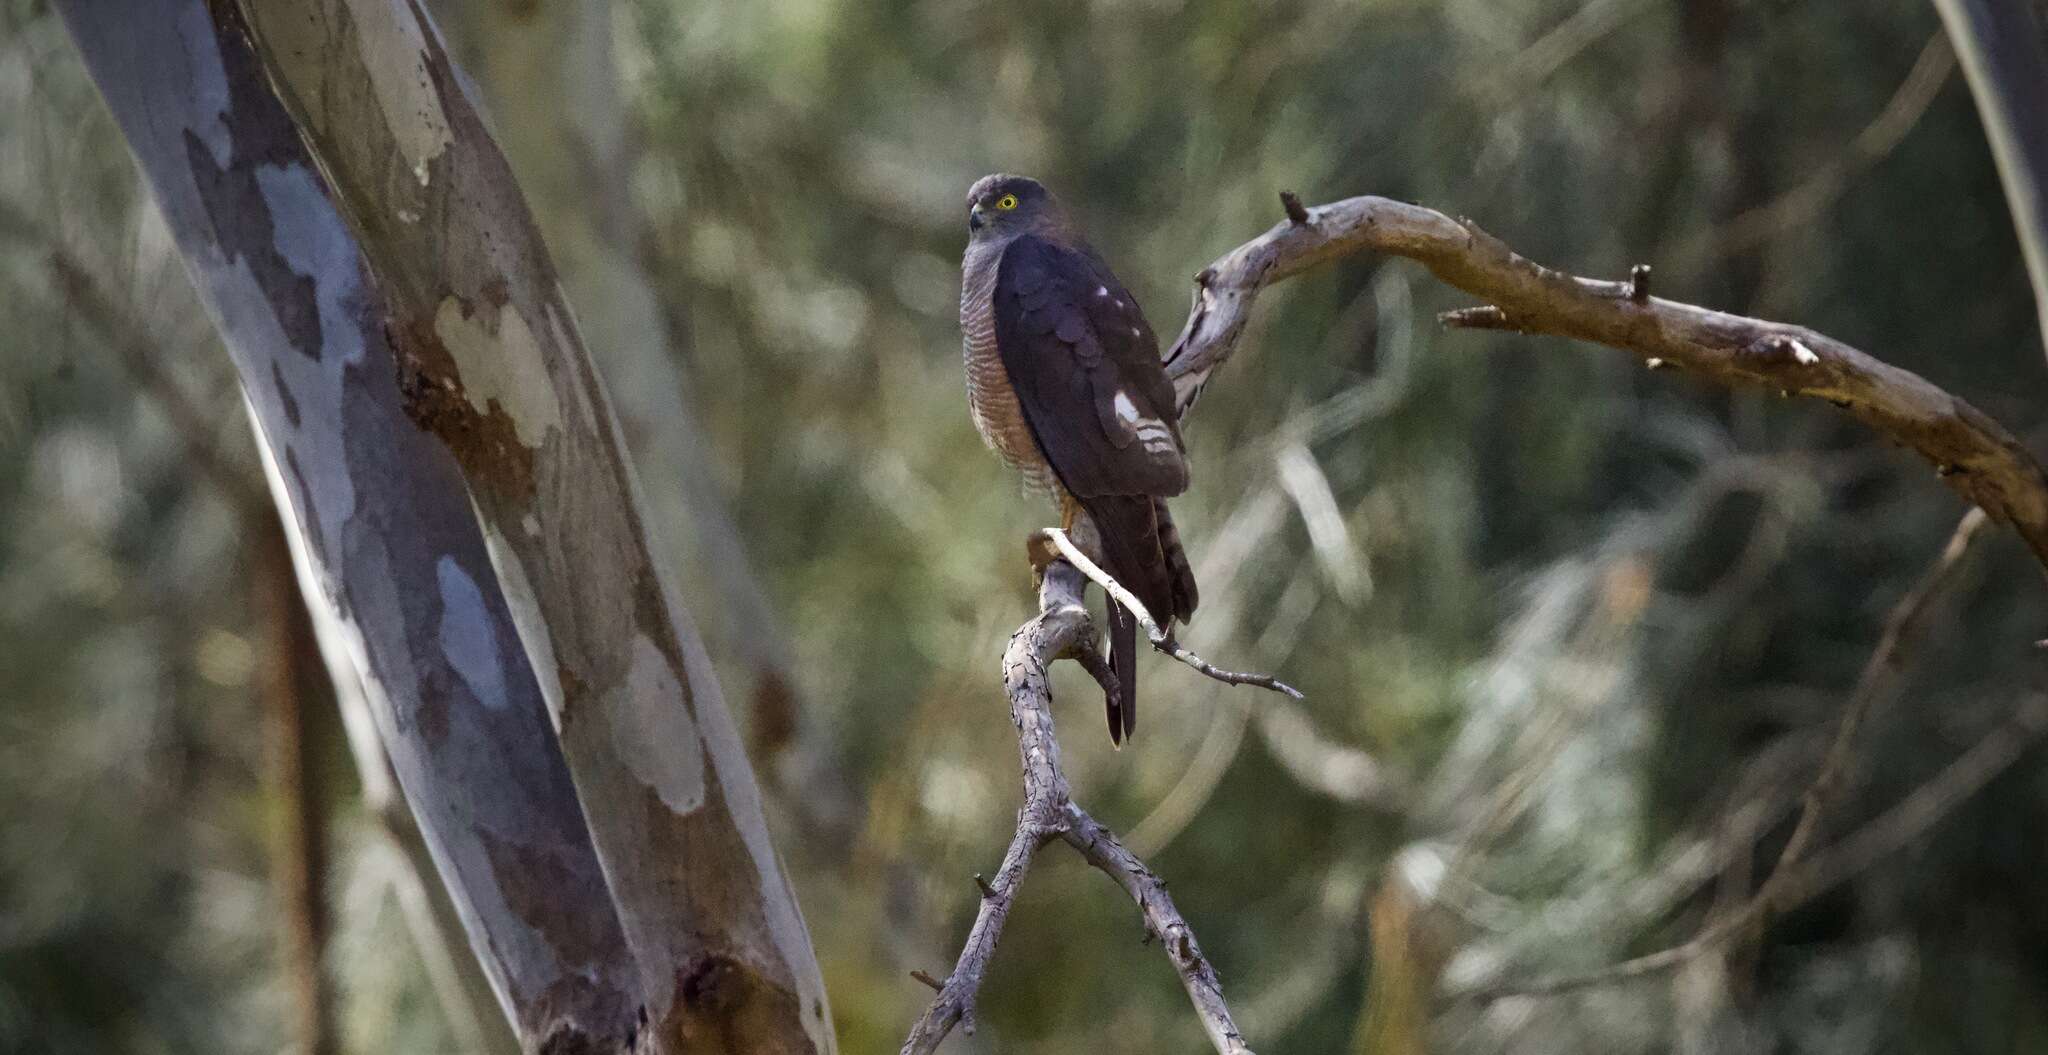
1631,587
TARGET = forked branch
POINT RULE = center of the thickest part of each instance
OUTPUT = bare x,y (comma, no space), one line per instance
1062,629
1973,454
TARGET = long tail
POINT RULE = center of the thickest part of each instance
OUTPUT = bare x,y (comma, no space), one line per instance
1185,595
1123,659
1142,550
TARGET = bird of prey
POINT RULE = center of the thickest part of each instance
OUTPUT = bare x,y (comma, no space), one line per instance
1064,381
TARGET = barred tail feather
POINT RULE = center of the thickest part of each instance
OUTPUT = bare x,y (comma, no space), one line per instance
1185,595
1141,550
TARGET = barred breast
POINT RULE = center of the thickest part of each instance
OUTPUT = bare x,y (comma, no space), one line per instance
990,399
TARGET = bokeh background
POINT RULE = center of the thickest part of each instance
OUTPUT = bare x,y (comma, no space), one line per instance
1572,632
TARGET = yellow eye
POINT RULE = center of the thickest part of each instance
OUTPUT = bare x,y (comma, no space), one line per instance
1006,202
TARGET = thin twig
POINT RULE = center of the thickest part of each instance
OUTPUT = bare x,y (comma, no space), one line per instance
1160,639
1797,207
1163,922
1788,885
1877,684
1910,819
1891,832
1061,627
143,360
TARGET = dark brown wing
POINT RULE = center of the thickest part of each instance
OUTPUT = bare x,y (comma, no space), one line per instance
1086,369
1085,366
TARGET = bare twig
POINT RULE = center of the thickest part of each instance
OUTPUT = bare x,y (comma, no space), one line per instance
1160,639
1975,455
1291,204
1798,206
1788,884
1898,827
1877,684
1049,812
1892,831
143,360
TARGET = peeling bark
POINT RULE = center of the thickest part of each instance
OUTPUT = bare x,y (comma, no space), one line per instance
548,73
458,493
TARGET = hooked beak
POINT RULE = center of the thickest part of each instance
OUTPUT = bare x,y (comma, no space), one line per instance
974,218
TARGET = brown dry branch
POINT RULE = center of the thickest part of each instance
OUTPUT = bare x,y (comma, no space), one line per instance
298,855
1790,883
1062,629
1972,453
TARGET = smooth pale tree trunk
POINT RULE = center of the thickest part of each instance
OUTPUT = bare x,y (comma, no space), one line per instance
2003,45
459,499
548,72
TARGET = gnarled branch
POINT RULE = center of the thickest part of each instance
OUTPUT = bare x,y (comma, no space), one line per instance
1062,629
1972,453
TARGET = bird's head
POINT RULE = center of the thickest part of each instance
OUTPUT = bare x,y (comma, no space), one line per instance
1001,206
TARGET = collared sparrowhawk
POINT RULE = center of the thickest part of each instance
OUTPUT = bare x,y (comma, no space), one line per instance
1065,382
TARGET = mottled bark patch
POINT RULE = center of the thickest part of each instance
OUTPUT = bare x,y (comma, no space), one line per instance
284,394
438,684
731,994
260,133
574,1017
568,905
485,442
722,1006
242,225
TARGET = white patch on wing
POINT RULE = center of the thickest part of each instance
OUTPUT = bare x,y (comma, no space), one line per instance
1156,437
1102,291
1126,411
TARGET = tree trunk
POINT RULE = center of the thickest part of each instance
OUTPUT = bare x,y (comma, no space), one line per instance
2004,51
459,497
548,73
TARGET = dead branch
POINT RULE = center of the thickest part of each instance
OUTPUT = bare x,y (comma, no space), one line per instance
1790,883
1972,453
1062,629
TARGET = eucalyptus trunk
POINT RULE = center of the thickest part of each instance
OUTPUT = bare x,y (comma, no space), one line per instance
460,503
